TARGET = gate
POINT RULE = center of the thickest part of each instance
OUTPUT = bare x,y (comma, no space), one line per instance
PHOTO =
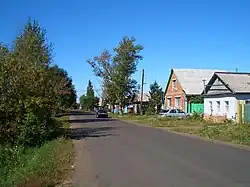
196,107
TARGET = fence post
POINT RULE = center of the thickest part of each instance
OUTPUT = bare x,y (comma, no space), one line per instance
238,112
243,111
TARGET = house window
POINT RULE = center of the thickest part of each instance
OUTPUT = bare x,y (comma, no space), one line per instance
169,100
227,106
218,106
178,102
211,107
174,85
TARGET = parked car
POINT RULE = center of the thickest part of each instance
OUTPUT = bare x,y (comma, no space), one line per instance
174,113
101,113
162,112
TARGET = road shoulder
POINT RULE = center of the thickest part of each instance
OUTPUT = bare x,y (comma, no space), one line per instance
84,173
238,146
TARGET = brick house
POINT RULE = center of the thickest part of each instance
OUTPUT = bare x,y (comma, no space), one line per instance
184,84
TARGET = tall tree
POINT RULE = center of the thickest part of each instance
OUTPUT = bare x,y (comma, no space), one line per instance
89,100
90,90
31,89
155,100
117,71
63,87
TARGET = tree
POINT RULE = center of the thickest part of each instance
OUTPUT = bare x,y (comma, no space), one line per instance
32,90
117,71
155,100
89,100
65,90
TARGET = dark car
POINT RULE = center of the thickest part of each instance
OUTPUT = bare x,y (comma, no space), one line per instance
101,114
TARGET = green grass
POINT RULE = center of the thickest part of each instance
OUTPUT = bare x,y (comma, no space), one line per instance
47,165
64,120
235,133
227,132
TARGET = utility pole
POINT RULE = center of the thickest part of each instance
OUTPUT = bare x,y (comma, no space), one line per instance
142,84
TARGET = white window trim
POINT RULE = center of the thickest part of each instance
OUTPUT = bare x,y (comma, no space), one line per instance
210,107
175,99
227,106
218,103
169,104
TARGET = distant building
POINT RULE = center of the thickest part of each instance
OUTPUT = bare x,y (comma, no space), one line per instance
183,84
223,93
137,100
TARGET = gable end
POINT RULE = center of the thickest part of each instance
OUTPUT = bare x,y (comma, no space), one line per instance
217,86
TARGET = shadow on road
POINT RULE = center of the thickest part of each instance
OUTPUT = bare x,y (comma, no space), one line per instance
79,121
80,133
75,113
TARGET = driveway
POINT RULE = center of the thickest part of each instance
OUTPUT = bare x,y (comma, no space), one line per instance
111,153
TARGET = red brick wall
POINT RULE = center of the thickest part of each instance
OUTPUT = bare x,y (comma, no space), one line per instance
174,93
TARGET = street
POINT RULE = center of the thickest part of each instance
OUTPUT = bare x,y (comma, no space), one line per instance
111,153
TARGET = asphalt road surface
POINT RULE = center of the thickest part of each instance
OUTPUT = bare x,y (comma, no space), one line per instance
111,153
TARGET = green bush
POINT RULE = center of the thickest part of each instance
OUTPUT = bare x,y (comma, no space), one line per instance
196,116
34,130
236,133
32,90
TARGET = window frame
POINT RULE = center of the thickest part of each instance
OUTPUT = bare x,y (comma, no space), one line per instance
177,98
227,106
169,103
218,103
210,106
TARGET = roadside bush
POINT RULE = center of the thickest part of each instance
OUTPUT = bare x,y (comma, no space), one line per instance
33,131
237,133
32,90
196,116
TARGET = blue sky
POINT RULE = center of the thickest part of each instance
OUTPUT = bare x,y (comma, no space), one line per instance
175,33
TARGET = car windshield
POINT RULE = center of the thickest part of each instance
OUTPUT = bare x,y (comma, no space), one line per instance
102,111
180,111
164,111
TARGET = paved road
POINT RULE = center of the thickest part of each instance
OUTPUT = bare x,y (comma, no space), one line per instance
118,154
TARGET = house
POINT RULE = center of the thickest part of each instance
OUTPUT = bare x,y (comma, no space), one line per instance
222,93
135,105
185,84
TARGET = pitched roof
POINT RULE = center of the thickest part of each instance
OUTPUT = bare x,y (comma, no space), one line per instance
191,79
237,82
145,97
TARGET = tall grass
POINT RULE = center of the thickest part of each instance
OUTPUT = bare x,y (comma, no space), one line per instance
46,165
43,166
229,132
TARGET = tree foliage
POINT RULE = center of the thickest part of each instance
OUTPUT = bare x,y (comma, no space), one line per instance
89,101
196,99
116,71
32,90
156,95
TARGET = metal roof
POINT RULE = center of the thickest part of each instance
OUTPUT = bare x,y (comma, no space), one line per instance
145,97
237,82
191,79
